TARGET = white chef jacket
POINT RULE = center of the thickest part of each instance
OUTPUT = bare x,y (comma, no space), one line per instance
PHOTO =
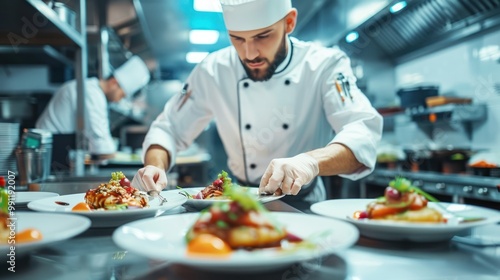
299,109
60,115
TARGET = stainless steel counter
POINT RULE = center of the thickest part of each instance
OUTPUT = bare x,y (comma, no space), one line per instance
93,255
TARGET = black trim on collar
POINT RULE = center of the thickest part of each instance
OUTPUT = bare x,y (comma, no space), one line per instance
290,60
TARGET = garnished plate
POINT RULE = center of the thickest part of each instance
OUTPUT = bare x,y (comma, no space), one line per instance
108,218
343,209
155,239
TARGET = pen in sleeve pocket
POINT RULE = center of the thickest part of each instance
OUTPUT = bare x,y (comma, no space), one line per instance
184,96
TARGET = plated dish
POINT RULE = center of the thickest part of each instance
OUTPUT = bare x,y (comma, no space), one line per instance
237,235
164,238
107,218
23,198
199,204
201,198
343,209
53,227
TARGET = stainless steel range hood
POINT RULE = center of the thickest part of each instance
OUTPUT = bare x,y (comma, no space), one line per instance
423,26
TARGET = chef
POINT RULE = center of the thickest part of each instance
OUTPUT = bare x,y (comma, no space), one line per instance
59,117
286,111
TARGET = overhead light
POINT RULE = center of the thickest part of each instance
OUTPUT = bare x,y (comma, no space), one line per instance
351,36
207,6
398,7
203,37
195,57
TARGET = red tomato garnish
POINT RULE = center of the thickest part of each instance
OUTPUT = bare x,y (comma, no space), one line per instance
124,182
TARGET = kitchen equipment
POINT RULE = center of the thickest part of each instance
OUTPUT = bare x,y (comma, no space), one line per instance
442,100
64,13
9,138
34,156
416,96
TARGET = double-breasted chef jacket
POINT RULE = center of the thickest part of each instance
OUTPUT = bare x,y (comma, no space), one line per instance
299,109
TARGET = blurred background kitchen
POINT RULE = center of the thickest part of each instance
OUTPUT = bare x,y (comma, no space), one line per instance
431,68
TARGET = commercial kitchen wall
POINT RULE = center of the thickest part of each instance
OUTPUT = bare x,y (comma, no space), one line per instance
25,78
469,69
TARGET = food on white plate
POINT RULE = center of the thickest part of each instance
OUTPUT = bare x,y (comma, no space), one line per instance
242,223
214,190
117,194
8,235
402,202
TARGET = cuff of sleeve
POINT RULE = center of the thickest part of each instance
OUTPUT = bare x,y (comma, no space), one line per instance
102,146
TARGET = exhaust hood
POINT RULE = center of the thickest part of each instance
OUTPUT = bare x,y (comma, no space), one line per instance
422,27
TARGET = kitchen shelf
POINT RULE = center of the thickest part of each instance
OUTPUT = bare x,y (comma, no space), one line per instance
450,112
45,55
32,22
27,24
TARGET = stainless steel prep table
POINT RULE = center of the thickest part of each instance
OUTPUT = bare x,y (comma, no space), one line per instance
93,255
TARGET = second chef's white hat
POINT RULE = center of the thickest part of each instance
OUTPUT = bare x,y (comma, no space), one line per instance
245,15
132,75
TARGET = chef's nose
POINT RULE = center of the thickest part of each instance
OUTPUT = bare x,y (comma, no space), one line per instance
251,51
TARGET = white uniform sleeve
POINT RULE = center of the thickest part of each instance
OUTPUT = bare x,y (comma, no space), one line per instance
356,123
97,127
184,116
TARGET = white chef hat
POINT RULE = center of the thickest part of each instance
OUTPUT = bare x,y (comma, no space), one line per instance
132,75
244,15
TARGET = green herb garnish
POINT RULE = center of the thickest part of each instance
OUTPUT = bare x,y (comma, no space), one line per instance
404,185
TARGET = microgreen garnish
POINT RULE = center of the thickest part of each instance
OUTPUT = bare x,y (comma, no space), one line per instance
184,193
404,185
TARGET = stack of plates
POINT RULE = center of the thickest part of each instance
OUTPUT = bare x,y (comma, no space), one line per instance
9,138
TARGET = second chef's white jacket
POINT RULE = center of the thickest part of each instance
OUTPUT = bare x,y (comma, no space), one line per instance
59,117
299,109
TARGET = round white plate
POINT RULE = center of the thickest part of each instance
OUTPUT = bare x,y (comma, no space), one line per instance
111,218
23,198
199,204
163,238
343,209
54,227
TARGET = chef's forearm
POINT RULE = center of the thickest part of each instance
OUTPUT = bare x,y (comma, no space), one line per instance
335,159
157,155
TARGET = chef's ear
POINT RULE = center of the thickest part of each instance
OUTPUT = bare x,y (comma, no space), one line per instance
291,20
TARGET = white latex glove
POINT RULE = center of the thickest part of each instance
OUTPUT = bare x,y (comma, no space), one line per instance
150,178
289,174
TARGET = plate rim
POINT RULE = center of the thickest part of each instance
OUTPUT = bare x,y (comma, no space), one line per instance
83,224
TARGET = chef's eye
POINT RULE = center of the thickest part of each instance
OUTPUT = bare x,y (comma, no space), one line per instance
261,37
237,39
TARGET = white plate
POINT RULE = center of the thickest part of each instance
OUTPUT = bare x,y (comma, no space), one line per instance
343,209
199,204
54,227
108,218
163,239
23,198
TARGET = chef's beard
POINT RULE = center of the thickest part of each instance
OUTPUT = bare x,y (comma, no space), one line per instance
259,75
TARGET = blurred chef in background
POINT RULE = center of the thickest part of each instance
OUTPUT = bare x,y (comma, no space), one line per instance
276,102
59,117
